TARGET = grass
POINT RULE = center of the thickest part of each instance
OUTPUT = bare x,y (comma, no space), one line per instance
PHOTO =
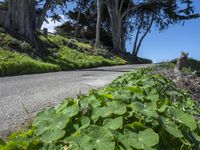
14,63
64,54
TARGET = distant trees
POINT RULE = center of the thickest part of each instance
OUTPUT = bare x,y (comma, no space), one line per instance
87,24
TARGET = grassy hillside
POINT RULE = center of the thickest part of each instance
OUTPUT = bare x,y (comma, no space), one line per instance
18,57
139,110
14,63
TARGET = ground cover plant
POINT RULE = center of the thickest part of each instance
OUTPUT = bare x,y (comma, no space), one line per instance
17,56
15,63
139,110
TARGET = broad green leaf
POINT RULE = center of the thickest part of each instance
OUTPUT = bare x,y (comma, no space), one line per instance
171,127
135,89
50,136
71,110
79,141
153,95
100,112
85,122
44,115
92,100
122,95
141,140
101,138
116,107
147,110
113,124
56,122
164,106
183,118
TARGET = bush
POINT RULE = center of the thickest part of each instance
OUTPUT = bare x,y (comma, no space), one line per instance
137,111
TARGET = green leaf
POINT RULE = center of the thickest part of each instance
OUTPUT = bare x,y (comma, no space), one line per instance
164,106
56,122
42,116
142,140
116,107
135,89
50,136
101,138
113,124
92,100
79,141
85,122
153,95
183,118
100,112
147,110
171,127
71,110
2,143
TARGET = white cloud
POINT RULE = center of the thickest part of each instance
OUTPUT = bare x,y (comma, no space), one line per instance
51,25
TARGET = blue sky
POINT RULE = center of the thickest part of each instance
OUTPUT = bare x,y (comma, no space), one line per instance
168,44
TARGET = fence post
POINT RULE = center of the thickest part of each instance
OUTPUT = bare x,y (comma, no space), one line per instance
45,32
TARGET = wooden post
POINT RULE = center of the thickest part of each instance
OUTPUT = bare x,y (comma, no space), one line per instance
45,32
179,66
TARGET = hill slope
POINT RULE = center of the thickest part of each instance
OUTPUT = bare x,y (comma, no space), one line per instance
18,57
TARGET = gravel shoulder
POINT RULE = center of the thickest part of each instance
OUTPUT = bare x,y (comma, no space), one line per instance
34,93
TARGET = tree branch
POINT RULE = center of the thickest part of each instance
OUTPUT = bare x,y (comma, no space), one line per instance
41,18
134,7
121,5
142,38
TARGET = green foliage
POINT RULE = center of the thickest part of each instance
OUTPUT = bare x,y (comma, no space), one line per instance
137,111
14,63
65,54
71,59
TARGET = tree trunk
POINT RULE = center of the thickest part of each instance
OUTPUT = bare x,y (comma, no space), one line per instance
137,47
22,19
115,21
42,16
98,26
179,66
77,23
78,19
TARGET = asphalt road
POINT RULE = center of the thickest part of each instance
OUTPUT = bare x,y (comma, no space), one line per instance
34,93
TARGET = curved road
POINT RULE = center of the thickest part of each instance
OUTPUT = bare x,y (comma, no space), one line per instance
33,93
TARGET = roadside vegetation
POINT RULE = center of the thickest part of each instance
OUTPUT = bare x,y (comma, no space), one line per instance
139,110
18,57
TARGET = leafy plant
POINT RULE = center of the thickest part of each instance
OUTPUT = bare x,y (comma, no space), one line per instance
138,110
